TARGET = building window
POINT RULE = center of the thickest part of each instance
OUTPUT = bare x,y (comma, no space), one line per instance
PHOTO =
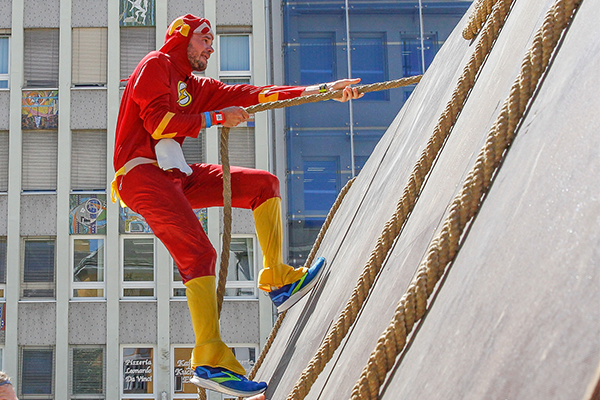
3,161
41,56
37,373
194,149
136,42
40,159
317,57
2,269
241,273
412,57
138,266
37,279
89,56
234,58
88,160
369,61
88,266
182,371
4,62
242,147
321,185
87,373
138,372
177,283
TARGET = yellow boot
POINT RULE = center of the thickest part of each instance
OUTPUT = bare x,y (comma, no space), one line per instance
209,349
275,274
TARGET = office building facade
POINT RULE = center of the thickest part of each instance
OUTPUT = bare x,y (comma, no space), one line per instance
92,306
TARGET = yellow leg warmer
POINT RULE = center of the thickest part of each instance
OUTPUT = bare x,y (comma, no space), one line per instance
209,349
267,218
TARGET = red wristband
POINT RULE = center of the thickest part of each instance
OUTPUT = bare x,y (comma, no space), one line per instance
218,118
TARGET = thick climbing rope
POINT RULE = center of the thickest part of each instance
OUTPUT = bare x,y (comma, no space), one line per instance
227,217
226,168
404,206
482,9
313,98
444,247
227,209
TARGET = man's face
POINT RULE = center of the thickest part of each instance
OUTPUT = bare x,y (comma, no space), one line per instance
199,51
7,393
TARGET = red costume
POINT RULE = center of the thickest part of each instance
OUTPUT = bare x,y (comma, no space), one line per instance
164,100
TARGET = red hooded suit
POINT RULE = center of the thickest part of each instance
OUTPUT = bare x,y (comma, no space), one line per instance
164,100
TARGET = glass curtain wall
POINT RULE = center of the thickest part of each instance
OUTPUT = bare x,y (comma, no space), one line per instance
329,142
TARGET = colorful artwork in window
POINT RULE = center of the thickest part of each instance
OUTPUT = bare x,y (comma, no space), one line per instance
39,109
136,13
87,214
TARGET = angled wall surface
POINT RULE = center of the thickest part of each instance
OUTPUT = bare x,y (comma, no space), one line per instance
517,315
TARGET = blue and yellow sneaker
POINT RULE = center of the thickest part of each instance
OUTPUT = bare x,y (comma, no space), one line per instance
224,381
288,295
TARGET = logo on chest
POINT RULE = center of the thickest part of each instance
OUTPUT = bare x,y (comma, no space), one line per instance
184,97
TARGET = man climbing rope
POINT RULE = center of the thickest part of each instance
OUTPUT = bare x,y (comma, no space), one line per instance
163,104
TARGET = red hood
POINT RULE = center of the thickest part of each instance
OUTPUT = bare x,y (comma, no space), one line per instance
178,37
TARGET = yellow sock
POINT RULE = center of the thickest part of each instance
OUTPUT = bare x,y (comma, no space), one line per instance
209,349
269,229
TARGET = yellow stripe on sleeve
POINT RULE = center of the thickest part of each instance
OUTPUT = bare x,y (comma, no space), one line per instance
158,132
265,97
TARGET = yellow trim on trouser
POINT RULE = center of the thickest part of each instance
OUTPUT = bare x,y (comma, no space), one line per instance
129,165
209,349
267,218
114,188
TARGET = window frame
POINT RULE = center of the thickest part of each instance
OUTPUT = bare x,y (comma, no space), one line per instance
240,74
129,396
79,174
240,155
137,284
87,285
101,69
74,396
173,395
127,60
6,77
175,283
4,150
21,381
49,79
37,285
379,41
30,181
253,284
3,240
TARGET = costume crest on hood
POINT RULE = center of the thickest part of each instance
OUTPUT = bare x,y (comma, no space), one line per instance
178,37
